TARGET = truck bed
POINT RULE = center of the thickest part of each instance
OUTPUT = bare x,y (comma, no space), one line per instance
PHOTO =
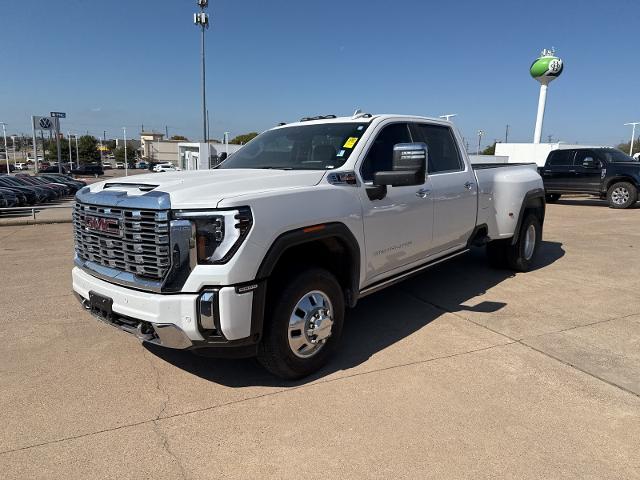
484,166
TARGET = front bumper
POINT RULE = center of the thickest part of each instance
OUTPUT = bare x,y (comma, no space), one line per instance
173,320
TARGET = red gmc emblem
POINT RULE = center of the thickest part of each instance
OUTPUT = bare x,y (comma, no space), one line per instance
102,224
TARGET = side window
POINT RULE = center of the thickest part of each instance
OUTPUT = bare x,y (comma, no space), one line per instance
444,155
559,158
380,155
582,154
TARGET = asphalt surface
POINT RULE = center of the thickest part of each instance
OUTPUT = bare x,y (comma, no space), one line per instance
463,372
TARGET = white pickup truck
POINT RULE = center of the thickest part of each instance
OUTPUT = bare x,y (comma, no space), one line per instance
262,255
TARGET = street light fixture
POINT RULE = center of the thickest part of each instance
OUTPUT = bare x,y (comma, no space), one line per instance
633,135
201,19
480,134
449,116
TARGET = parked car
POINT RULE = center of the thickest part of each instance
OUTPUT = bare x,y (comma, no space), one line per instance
88,171
75,185
119,164
142,165
106,166
33,194
59,189
8,198
165,167
604,172
291,230
54,169
21,166
43,193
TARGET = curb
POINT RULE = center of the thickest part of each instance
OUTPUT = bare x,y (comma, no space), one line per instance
15,223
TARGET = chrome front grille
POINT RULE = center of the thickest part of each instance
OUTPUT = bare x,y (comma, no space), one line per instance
127,239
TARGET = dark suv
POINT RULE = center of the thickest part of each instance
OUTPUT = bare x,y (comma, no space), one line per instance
604,172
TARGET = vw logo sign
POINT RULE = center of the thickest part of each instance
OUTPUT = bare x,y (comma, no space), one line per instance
45,123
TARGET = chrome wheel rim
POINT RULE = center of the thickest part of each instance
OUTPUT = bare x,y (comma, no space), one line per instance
620,195
310,324
529,242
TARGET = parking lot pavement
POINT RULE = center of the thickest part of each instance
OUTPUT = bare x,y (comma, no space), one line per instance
463,372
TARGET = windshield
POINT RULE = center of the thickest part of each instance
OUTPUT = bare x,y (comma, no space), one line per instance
616,156
305,147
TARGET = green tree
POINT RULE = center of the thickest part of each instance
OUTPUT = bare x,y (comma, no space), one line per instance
625,147
180,138
118,153
491,150
88,149
244,138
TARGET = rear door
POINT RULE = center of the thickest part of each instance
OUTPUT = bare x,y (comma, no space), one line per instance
559,172
454,186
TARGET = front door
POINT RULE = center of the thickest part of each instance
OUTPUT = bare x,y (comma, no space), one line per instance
588,167
398,228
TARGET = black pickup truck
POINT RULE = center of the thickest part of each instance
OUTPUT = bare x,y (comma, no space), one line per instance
604,172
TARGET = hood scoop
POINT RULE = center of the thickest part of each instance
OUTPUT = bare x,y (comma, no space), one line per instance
143,187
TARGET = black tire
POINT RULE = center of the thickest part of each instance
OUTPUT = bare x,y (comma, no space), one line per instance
274,352
622,195
504,254
552,197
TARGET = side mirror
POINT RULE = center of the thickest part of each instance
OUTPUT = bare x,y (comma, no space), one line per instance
589,162
409,166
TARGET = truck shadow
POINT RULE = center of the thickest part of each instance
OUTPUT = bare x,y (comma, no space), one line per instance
378,321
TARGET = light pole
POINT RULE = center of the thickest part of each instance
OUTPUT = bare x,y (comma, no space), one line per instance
13,139
6,151
449,116
480,134
226,143
633,135
70,157
126,162
202,19
77,151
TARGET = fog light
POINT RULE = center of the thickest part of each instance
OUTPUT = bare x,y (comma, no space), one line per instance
207,310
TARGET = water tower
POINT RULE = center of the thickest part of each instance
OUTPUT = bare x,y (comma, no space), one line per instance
545,69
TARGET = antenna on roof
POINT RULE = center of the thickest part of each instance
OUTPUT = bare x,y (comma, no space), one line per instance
356,113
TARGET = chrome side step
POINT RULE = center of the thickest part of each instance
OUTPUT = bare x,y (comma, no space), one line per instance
403,276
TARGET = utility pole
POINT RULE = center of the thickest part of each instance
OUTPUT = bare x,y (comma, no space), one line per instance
202,19
6,150
226,143
506,134
480,134
77,151
633,135
166,132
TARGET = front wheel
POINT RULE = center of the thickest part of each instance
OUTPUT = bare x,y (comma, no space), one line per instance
305,325
517,256
622,195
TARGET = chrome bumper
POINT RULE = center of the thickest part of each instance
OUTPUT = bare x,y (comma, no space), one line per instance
164,334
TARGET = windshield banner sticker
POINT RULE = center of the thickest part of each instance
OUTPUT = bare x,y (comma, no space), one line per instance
351,141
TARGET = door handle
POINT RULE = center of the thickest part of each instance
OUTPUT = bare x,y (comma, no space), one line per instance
468,185
423,193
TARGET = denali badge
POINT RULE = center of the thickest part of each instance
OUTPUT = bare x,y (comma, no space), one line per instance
102,224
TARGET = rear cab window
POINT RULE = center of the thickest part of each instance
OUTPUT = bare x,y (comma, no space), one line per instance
560,158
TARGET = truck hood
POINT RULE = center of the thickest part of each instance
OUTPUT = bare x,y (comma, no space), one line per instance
206,188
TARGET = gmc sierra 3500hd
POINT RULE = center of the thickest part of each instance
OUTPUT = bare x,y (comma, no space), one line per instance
262,255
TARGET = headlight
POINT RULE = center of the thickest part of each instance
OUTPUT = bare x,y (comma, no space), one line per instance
218,233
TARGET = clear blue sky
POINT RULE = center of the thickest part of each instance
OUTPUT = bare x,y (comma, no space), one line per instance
132,62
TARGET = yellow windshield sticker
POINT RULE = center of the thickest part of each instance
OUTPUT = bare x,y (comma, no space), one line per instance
351,141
